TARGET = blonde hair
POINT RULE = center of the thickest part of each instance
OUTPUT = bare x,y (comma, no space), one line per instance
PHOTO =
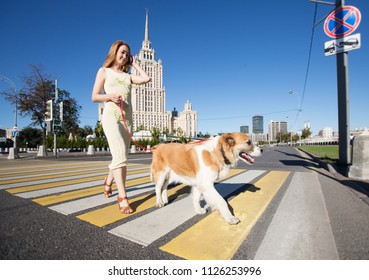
110,58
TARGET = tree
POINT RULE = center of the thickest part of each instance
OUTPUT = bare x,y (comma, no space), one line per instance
86,130
99,129
37,89
155,133
29,137
305,133
71,113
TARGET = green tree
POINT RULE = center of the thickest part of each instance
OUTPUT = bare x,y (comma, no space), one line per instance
305,133
31,100
99,131
155,133
30,137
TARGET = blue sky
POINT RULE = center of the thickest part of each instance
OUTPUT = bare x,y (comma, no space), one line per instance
231,59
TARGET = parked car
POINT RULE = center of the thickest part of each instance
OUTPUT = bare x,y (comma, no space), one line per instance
331,48
173,141
350,42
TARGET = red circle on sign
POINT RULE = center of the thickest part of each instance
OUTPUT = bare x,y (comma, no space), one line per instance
342,22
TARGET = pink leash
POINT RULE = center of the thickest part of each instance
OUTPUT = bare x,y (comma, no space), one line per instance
121,107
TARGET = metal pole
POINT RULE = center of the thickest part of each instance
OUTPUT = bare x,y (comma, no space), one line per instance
55,104
343,104
15,128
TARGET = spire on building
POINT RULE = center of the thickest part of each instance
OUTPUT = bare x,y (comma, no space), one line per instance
147,26
146,44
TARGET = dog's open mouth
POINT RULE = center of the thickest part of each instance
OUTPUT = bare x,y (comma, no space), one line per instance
246,157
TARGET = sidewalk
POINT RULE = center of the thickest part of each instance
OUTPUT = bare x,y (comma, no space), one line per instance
322,216
64,154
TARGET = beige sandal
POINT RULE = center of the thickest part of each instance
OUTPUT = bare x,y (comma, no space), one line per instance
107,188
124,209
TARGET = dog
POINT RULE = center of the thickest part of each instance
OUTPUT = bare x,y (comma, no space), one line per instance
200,164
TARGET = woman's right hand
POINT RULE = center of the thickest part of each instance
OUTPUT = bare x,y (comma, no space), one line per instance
115,97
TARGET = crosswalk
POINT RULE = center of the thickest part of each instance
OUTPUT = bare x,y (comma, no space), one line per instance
74,188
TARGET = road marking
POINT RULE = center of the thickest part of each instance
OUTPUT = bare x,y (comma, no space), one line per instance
212,238
150,227
84,192
300,229
50,171
65,181
49,166
73,187
46,176
86,203
110,214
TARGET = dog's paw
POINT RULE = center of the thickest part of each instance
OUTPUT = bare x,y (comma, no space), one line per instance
162,204
200,211
232,220
159,203
164,199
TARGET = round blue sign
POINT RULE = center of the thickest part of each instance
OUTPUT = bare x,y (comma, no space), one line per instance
342,22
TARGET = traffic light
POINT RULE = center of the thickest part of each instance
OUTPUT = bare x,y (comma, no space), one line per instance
49,111
56,125
61,111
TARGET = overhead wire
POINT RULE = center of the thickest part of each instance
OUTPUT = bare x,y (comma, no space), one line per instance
305,81
308,64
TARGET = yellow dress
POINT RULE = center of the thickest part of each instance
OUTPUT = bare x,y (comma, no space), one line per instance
112,123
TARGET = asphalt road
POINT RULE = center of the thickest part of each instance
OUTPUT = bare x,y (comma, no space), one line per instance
32,231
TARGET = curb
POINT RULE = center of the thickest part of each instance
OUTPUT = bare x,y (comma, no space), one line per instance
353,185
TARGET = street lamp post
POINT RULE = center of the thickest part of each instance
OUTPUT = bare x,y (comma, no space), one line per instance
298,112
13,154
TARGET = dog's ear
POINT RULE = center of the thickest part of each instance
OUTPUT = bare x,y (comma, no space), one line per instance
230,141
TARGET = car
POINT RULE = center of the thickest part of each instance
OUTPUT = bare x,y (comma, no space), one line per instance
172,141
331,48
350,42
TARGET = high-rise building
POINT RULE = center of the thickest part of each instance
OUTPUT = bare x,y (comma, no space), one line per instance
186,122
275,128
257,124
149,100
244,129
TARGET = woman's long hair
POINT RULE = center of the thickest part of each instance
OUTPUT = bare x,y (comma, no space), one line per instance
110,58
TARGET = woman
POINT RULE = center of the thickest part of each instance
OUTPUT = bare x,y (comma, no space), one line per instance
116,82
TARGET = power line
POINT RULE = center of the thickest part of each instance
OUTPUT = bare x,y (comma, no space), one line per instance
241,117
308,64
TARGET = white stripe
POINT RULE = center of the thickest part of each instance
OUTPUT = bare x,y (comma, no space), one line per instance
66,188
47,173
50,166
300,229
150,227
47,181
52,180
98,200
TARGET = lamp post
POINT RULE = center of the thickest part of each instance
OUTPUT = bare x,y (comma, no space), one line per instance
14,154
292,92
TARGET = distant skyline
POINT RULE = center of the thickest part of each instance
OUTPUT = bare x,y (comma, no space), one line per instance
231,59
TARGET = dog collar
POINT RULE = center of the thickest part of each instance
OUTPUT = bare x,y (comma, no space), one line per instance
226,160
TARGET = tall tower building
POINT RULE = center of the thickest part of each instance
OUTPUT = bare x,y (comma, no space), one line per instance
275,128
149,100
257,124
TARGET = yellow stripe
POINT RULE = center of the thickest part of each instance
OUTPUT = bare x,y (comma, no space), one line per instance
57,198
12,181
50,164
53,169
54,176
110,214
212,238
64,183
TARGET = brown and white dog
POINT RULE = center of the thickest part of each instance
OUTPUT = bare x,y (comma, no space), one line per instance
200,165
